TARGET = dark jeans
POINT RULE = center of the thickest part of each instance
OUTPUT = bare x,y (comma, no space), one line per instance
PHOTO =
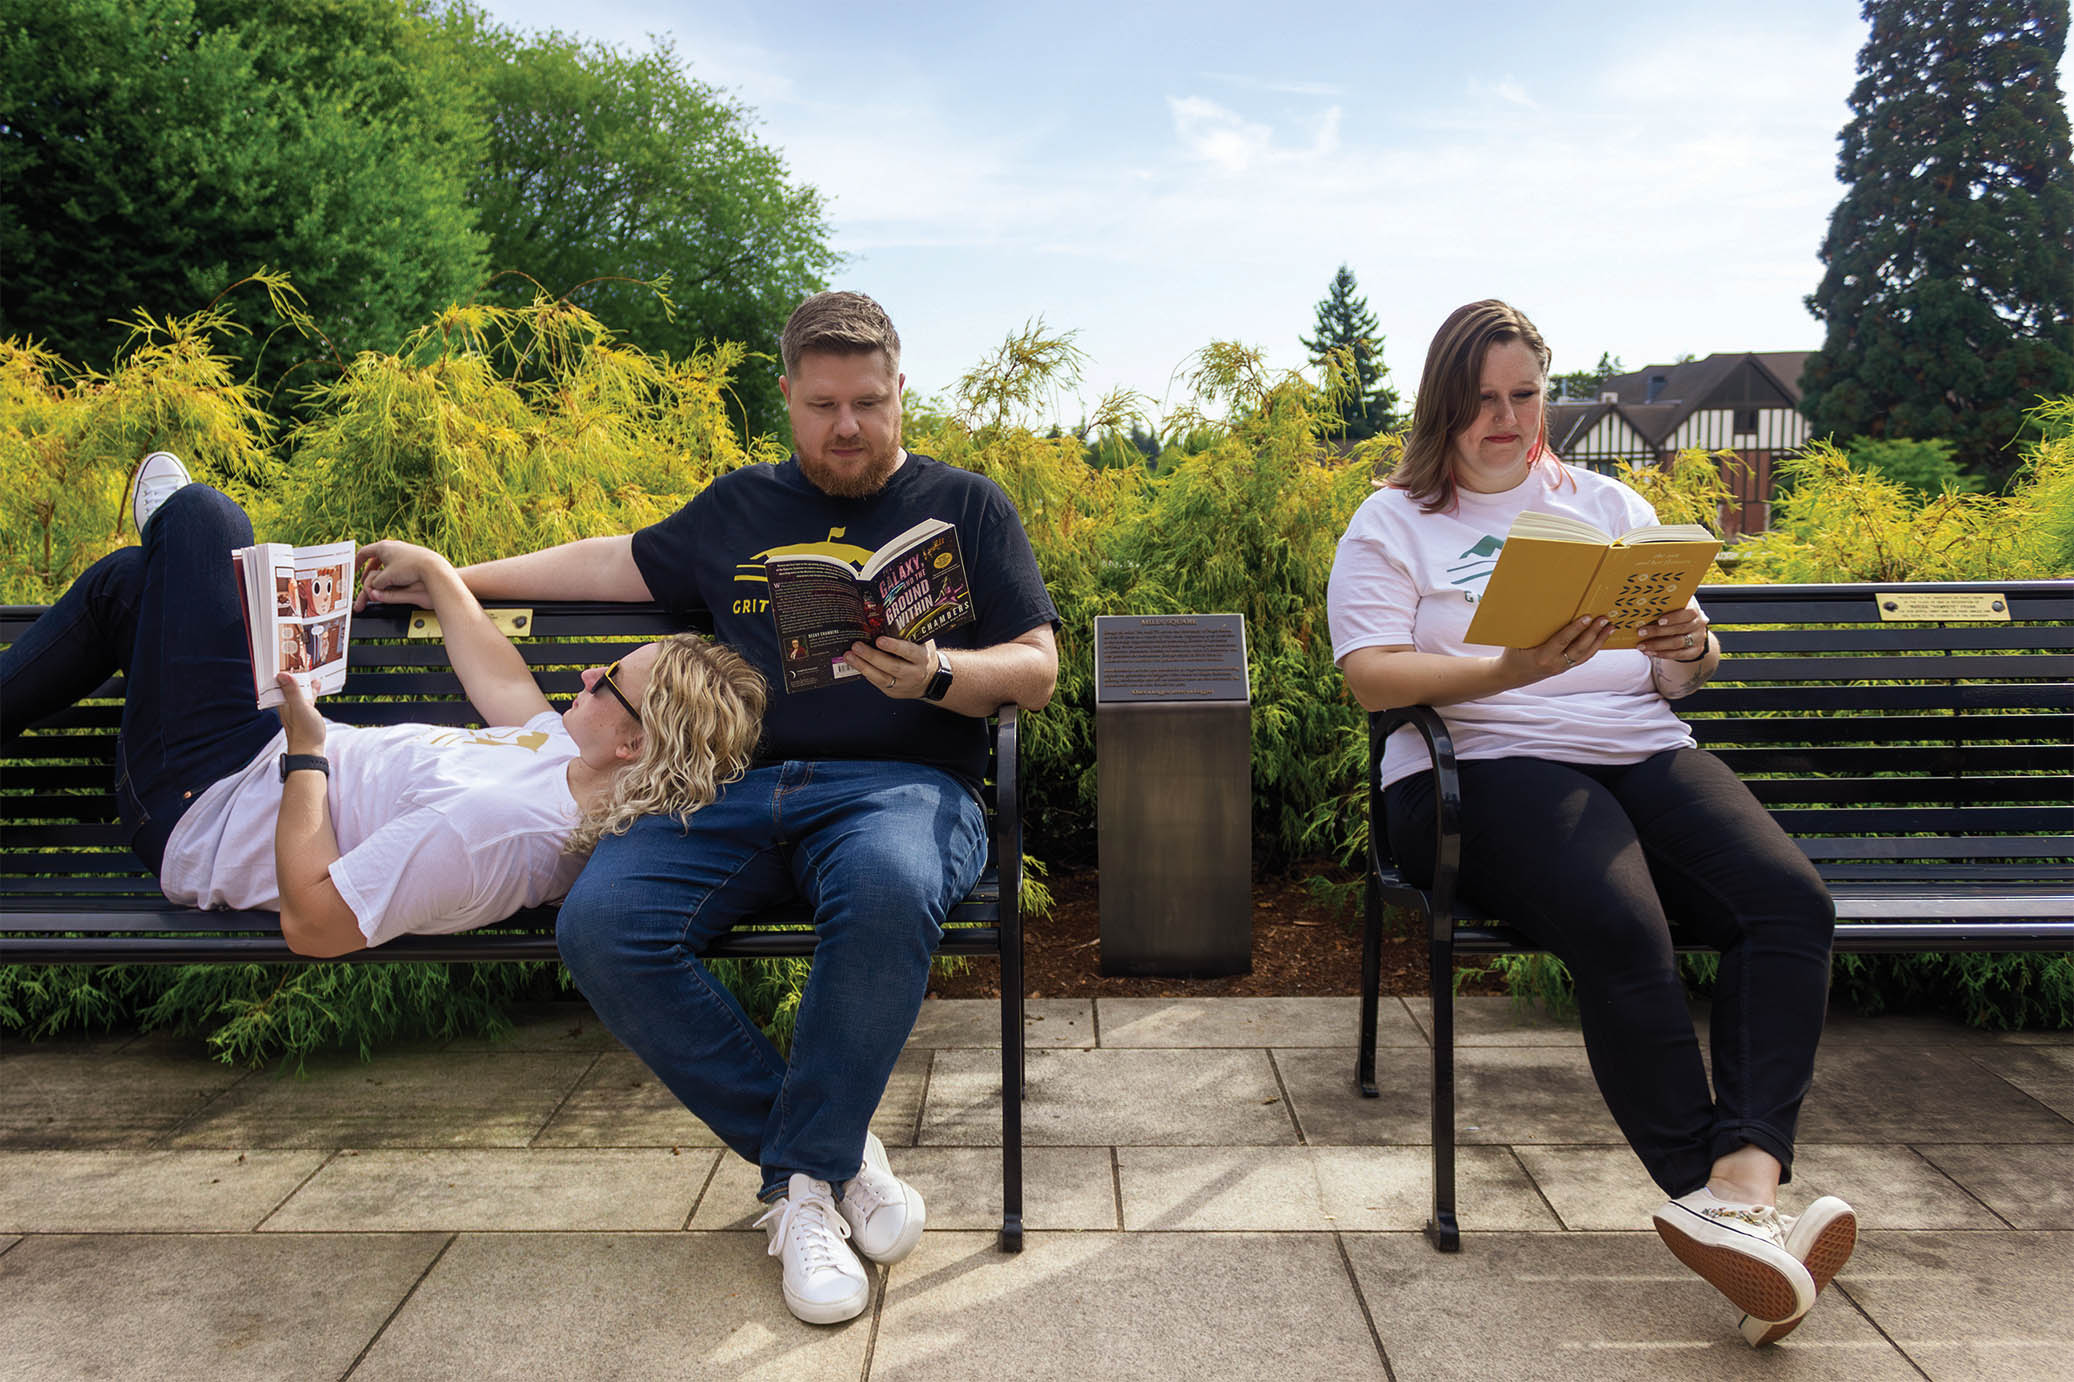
881,850
167,615
1587,860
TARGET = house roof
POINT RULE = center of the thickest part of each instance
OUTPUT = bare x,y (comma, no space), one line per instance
1768,378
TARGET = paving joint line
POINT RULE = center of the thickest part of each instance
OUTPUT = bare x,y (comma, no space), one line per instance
1375,1335
315,1171
390,1319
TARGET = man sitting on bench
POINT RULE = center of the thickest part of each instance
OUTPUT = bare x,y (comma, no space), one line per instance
355,834
864,800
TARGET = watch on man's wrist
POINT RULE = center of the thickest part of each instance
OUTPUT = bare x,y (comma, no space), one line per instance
939,684
301,762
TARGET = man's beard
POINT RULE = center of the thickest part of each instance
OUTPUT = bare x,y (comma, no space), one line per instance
853,485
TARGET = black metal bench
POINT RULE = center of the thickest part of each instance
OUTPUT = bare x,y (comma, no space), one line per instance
1926,766
71,892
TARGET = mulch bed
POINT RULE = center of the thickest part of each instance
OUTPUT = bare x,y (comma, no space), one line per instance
1302,946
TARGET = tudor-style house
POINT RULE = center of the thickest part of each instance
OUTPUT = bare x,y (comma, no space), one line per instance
1747,403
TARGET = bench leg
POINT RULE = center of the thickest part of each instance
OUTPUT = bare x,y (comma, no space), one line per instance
1442,1228
1012,1082
1371,990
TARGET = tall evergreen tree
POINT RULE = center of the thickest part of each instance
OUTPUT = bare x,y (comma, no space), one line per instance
1344,338
1949,292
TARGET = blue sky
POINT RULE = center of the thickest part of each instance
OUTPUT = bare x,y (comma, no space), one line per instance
1645,179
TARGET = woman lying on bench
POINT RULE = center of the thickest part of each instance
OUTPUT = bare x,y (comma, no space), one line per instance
359,834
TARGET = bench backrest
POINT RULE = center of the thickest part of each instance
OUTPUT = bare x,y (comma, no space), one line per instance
60,833
1884,744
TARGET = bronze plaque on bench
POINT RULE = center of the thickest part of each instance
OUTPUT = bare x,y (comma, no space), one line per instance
1941,607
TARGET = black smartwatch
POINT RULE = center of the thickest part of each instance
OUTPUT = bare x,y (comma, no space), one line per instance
940,684
300,762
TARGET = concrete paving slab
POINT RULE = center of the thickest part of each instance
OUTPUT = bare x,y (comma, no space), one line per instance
504,1188
1487,1021
620,1103
404,1099
1318,1189
1047,1022
146,1191
608,1307
1329,1108
1063,1188
1177,1022
1529,1094
2046,1073
1604,1306
898,1118
1193,1306
1965,1306
1112,1098
1901,1029
208,1307
562,1026
118,1091
1605,1188
1867,1093
2026,1185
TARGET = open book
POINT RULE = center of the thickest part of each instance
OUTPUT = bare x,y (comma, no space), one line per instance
1555,568
298,604
914,588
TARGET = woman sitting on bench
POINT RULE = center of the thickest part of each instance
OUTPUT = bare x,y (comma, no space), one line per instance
359,834
1588,814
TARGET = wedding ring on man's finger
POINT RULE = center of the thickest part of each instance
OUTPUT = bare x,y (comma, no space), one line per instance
1688,640
1569,661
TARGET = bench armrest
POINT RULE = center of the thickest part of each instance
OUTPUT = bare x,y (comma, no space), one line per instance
1447,803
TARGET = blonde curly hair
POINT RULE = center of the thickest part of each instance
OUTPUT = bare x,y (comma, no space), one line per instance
700,719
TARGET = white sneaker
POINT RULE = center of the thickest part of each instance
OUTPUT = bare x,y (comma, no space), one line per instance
152,483
1741,1251
1822,1238
824,1281
884,1212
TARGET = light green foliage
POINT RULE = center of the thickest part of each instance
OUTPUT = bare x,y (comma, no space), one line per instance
69,437
1834,522
496,431
1688,489
1923,467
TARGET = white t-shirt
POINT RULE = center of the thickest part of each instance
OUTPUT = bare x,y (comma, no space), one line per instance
439,829
1406,577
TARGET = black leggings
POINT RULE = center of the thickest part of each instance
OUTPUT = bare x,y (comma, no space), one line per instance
1586,859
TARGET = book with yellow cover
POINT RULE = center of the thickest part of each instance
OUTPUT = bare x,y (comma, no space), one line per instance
1555,568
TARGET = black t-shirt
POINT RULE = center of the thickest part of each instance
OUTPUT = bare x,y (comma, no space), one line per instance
709,555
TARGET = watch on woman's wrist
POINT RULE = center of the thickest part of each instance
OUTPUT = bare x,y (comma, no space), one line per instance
304,762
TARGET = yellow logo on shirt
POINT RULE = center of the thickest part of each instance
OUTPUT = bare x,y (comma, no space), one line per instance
752,569
532,740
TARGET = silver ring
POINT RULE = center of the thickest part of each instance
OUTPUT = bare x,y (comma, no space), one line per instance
1569,661
1688,640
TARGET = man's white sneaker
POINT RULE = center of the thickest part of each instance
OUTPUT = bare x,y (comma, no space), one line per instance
1741,1251
884,1212
1822,1238
824,1281
152,483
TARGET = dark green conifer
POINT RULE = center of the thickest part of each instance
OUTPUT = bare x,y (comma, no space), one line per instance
1949,292
1345,340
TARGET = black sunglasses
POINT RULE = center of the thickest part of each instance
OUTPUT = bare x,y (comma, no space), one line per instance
617,694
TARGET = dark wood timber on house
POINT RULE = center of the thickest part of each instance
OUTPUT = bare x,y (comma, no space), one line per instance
1927,768
71,892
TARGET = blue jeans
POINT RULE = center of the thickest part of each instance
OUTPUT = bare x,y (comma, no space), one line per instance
169,616
881,851
1587,859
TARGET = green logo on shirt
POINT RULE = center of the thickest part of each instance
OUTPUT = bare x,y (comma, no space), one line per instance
1476,563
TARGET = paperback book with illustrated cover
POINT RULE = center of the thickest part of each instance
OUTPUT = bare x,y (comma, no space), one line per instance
914,588
298,604
1554,569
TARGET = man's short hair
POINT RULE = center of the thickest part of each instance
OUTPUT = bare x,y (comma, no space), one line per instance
838,324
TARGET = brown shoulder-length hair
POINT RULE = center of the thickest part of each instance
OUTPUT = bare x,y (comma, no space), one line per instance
1450,396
